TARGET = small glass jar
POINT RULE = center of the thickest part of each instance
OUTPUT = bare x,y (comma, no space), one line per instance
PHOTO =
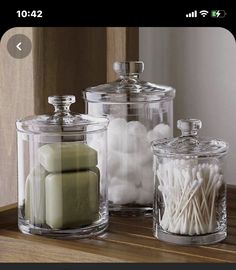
190,191
62,172
139,112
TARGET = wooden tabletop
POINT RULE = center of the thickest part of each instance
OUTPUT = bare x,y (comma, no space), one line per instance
127,240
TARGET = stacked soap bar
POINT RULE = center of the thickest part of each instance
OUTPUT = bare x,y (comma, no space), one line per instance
71,199
67,156
71,186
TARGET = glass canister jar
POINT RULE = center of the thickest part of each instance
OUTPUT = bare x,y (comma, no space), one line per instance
62,172
138,112
190,191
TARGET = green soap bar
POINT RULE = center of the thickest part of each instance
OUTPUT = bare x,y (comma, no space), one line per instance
67,156
35,196
72,199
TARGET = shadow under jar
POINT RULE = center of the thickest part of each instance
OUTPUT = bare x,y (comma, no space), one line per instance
190,191
62,173
138,113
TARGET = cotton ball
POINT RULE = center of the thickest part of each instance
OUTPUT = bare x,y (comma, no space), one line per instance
137,129
117,130
162,131
122,194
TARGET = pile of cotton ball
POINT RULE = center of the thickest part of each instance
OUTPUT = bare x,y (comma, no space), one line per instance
130,173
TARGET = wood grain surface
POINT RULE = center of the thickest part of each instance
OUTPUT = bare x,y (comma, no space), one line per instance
127,240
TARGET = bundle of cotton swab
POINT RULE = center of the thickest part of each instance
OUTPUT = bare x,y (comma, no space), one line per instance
190,192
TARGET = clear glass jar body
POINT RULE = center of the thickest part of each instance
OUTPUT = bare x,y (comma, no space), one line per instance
57,197
190,191
132,126
62,173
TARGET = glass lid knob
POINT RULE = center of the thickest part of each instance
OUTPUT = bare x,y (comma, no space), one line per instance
189,127
61,103
128,67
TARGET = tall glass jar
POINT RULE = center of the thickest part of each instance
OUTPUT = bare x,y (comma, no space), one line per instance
62,172
139,112
190,191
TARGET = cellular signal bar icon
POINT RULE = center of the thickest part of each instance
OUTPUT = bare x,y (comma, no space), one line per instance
192,14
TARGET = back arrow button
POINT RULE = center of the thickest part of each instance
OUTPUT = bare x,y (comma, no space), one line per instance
18,46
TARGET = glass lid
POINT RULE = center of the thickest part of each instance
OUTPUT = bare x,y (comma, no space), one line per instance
128,88
62,120
189,144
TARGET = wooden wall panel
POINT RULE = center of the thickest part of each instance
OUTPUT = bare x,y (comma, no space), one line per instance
67,60
122,45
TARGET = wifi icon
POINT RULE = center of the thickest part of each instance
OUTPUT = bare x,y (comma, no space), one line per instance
203,13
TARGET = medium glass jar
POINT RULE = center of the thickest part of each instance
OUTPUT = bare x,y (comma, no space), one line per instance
139,112
62,172
190,191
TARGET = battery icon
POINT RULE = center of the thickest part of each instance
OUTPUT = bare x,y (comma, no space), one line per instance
218,13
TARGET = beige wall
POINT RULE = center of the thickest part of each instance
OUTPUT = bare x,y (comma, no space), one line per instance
200,63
